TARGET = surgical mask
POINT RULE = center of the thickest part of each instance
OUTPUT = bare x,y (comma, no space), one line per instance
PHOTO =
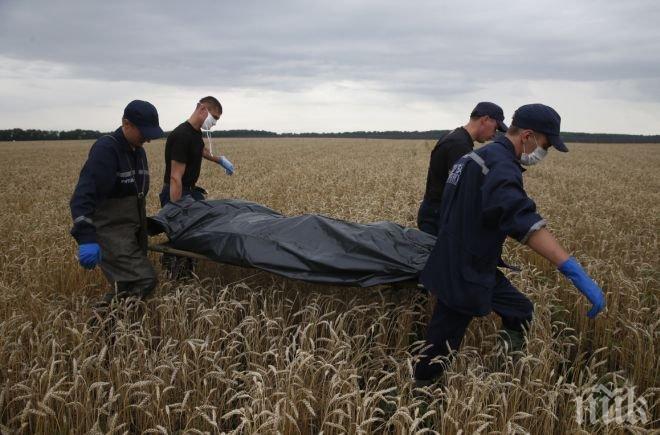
534,157
209,122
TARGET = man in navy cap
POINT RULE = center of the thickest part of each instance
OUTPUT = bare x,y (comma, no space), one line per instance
483,203
108,204
485,119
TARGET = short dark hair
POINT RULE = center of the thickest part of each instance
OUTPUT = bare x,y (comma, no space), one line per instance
514,129
211,102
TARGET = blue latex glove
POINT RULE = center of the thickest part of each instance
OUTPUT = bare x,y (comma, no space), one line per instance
573,271
229,168
89,255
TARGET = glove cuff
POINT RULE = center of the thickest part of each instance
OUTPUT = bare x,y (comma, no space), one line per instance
568,266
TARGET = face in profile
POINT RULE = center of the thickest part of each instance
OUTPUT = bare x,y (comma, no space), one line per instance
487,130
133,134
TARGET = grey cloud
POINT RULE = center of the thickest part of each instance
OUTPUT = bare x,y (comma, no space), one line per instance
429,49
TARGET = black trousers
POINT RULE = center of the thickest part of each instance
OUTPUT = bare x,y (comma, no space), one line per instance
428,217
446,329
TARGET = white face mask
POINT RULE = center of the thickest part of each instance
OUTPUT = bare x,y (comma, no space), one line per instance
535,156
209,122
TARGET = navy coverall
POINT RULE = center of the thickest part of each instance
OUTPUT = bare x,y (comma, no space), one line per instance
483,202
108,208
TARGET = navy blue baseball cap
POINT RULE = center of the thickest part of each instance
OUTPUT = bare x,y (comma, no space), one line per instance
144,116
542,119
492,110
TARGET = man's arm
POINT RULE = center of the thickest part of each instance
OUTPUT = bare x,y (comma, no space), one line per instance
96,180
506,204
206,153
544,243
221,160
176,174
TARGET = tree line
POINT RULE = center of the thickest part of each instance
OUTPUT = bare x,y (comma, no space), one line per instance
17,134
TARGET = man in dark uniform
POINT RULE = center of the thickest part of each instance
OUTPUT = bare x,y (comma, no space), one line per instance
485,119
184,151
483,203
108,204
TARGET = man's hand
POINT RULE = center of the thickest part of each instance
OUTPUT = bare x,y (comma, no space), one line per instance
229,168
573,271
89,255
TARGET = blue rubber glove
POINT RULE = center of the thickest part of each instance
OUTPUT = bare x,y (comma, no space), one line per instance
229,168
89,255
573,271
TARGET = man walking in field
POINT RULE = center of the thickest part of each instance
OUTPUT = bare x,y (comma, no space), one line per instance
184,151
485,119
108,204
484,202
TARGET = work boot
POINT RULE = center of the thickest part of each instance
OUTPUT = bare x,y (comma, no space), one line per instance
511,343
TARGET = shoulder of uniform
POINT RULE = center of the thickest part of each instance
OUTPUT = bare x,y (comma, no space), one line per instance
105,142
495,153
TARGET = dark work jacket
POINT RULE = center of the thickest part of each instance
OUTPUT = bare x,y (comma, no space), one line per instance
484,202
447,151
113,170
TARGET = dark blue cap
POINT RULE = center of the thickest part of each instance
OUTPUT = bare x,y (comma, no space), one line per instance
144,116
542,119
491,110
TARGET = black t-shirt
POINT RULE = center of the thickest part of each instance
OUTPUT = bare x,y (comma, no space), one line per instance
446,153
185,145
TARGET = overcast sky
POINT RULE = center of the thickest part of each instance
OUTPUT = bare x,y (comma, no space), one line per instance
293,66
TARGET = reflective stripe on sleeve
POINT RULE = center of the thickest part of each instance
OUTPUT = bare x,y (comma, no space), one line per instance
125,174
131,173
474,156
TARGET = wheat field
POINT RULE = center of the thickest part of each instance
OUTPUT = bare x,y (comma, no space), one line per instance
237,351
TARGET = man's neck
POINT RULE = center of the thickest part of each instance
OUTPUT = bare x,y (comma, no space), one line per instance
517,144
123,132
197,125
472,130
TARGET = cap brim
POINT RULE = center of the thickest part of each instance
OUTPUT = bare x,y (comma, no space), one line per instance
559,144
501,126
151,132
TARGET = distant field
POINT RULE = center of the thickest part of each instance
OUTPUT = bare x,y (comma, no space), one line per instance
234,352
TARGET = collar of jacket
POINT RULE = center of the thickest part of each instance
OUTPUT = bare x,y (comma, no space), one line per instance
508,145
121,139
